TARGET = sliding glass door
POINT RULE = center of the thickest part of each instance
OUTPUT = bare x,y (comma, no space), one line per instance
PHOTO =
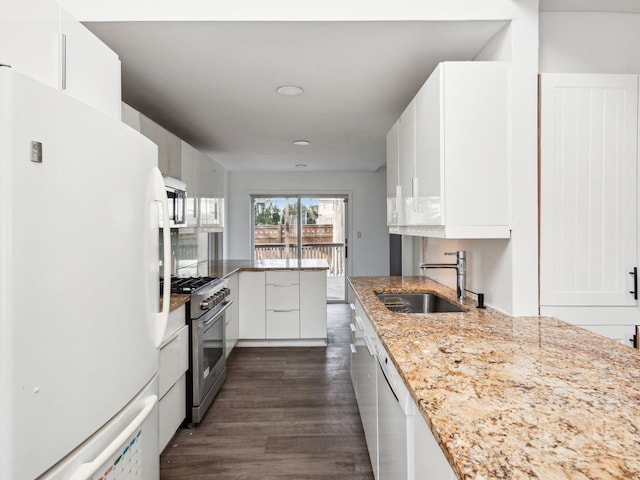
303,226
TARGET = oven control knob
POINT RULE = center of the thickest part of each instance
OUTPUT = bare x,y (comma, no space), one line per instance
206,304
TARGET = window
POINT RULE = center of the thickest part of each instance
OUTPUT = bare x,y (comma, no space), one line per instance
303,226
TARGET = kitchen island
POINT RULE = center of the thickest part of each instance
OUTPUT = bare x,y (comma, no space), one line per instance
513,398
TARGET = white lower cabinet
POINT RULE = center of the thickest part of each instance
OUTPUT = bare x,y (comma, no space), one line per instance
171,412
252,303
313,304
283,324
400,444
174,362
282,305
429,461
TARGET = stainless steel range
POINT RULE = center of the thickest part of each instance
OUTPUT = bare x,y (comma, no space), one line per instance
207,363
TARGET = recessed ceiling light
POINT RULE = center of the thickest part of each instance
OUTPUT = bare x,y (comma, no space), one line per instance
301,143
289,90
301,165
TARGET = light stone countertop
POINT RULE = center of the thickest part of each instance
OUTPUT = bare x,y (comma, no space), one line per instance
223,268
513,398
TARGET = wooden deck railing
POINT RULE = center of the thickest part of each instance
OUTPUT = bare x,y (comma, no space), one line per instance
333,253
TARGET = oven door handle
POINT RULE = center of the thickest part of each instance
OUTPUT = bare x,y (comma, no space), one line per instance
225,305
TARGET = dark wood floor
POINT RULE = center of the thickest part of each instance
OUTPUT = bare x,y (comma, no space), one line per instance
283,414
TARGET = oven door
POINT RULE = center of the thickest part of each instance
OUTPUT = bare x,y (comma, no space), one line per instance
208,352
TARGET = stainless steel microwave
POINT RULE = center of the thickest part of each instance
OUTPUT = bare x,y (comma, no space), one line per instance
177,201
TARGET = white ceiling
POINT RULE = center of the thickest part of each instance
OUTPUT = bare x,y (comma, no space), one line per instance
213,84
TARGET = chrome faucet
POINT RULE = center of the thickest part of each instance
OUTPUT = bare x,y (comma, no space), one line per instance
461,269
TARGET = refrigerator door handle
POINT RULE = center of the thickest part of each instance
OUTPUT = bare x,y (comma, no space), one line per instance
85,470
160,195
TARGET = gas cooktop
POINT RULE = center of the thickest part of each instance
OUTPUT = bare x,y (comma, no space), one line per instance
189,285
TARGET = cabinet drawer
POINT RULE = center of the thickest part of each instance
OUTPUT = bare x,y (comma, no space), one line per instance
172,411
283,324
174,359
177,320
283,297
284,277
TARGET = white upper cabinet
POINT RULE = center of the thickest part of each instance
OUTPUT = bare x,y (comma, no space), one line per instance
29,38
90,70
169,148
394,192
454,147
40,39
205,188
589,189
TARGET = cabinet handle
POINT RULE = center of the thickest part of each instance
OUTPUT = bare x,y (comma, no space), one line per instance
283,311
353,348
352,306
634,292
369,346
352,327
173,338
360,324
63,61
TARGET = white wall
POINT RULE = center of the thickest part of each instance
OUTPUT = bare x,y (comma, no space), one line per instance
589,42
368,255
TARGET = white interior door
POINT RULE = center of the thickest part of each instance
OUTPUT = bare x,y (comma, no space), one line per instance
588,228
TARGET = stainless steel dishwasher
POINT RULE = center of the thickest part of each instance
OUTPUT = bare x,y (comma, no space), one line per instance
395,422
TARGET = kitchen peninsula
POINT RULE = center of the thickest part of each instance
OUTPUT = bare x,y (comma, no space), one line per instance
512,398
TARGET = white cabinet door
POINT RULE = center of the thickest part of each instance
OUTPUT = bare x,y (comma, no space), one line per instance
394,192
366,380
29,38
172,411
188,174
407,161
369,402
169,146
174,359
252,305
588,231
392,433
430,462
429,153
475,116
232,317
91,70
353,365
313,304
283,324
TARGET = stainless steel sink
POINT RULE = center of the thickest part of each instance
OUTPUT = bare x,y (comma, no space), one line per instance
417,303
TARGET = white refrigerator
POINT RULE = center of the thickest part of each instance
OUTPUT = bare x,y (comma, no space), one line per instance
81,203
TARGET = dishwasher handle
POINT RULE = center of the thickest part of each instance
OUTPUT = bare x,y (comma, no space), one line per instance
384,374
